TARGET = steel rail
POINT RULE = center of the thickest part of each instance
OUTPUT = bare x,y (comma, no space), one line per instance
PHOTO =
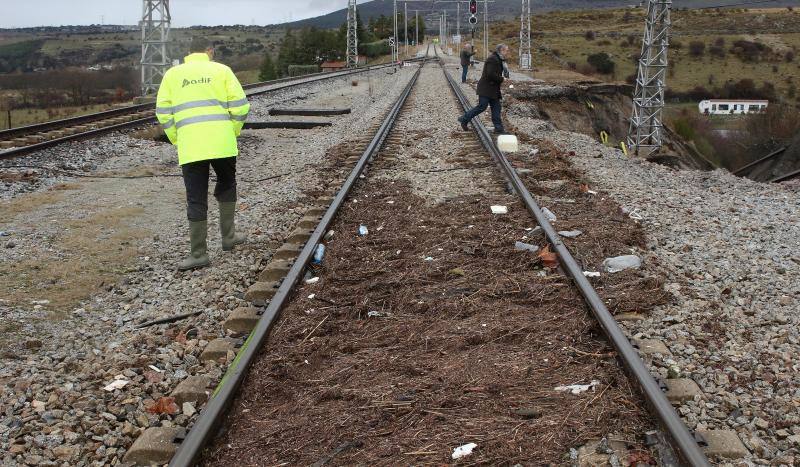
682,440
785,177
759,161
212,415
252,91
15,132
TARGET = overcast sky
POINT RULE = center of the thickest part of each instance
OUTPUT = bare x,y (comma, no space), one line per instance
184,12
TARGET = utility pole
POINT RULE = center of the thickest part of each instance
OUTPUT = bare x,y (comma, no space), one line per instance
525,57
396,36
405,22
416,28
352,34
458,20
644,135
155,38
485,29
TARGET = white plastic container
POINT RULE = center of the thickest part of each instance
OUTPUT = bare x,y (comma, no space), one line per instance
507,143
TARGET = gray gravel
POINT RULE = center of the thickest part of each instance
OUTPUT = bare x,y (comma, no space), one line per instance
728,249
55,361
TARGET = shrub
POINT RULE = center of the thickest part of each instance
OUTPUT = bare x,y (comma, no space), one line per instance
717,51
602,63
697,48
789,56
590,35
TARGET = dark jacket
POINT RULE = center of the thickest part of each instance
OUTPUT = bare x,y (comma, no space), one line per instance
465,57
492,77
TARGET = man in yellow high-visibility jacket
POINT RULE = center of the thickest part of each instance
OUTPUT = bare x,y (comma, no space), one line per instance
202,108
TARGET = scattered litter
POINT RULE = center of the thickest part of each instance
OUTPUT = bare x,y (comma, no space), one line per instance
155,368
621,263
570,233
521,246
429,258
549,259
313,280
632,213
591,192
3,233
375,314
380,228
533,152
549,214
363,230
591,274
118,383
398,252
306,362
499,209
463,451
164,405
329,235
507,143
319,254
510,86
390,202
457,272
578,388
311,297
40,302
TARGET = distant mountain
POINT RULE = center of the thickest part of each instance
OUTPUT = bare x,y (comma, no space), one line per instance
507,9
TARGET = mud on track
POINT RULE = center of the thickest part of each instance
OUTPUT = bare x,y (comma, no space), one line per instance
397,360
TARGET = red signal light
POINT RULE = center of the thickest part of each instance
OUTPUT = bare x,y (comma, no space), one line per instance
473,6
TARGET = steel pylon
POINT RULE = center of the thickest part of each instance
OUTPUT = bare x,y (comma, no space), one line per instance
646,128
352,34
155,39
525,56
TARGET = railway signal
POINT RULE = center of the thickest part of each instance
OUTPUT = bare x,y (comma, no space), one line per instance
473,7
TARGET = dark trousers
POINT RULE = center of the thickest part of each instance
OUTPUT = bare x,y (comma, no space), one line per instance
464,69
484,102
195,177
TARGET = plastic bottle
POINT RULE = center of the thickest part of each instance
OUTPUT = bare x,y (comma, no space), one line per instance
319,254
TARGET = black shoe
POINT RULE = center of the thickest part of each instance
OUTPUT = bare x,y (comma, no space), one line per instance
500,131
463,125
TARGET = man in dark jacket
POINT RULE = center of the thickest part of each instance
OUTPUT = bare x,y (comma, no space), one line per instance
494,71
466,57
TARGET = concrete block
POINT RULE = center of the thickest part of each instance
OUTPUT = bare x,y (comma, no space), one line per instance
629,317
275,271
261,291
155,446
316,211
652,346
193,389
724,443
288,251
242,319
218,348
680,390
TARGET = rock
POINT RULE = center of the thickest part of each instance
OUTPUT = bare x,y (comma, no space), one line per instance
621,263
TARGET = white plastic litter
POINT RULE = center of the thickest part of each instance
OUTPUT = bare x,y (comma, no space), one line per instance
570,233
313,280
463,451
621,263
429,258
591,274
578,388
550,216
155,368
363,230
118,383
311,297
499,209
507,143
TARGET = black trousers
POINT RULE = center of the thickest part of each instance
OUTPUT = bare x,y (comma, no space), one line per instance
195,177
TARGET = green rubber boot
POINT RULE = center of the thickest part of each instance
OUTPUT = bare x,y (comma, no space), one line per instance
198,231
227,227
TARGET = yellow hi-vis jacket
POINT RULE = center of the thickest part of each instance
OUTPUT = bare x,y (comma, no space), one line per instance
202,108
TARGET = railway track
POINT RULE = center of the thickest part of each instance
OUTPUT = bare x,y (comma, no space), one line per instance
280,279
24,140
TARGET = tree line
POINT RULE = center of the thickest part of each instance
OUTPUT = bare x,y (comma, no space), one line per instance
313,46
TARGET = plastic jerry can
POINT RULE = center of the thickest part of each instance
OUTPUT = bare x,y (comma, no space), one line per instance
507,143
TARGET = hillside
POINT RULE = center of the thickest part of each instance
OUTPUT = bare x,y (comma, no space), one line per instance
507,9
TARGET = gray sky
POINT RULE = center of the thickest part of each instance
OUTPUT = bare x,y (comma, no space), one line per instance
184,12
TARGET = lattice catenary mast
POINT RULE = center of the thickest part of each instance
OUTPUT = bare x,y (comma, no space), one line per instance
525,57
352,34
644,135
155,38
